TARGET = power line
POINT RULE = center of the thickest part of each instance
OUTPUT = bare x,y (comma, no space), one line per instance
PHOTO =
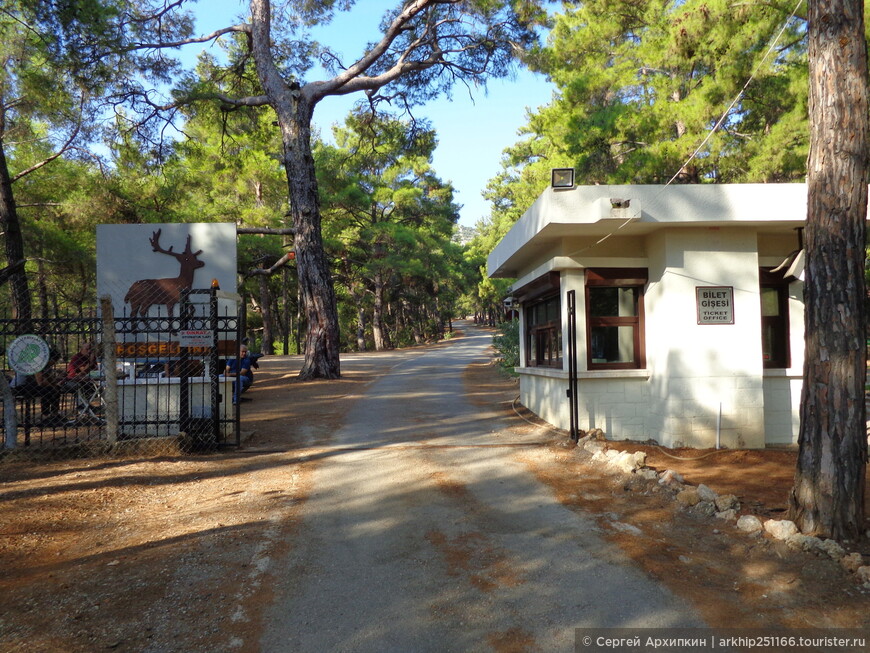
707,138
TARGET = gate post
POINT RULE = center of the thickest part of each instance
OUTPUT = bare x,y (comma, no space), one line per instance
110,369
573,399
213,366
10,417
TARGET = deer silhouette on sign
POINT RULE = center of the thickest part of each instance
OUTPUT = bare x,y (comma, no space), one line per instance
145,293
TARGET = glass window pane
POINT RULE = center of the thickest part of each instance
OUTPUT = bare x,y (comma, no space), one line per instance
553,310
768,342
612,301
774,342
612,344
543,312
769,302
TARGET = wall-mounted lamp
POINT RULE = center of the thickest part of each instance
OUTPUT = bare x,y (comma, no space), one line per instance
562,178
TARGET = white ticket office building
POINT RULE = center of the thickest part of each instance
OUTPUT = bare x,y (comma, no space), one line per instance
686,331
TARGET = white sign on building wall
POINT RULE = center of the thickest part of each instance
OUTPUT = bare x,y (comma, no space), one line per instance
715,304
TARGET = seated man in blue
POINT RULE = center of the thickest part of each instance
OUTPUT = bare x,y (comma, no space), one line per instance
241,369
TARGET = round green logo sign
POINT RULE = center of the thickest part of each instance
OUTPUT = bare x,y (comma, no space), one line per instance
27,354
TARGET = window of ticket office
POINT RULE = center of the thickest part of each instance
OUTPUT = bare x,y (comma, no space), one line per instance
544,332
775,348
615,318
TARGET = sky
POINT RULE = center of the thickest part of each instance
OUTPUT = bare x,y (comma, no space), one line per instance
473,130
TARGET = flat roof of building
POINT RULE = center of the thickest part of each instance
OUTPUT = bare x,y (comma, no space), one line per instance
596,211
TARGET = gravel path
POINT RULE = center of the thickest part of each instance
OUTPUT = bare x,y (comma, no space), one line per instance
422,533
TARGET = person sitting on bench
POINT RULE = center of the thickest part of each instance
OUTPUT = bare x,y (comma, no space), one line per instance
240,368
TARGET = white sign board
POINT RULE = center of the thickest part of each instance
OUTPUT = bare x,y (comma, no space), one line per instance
715,304
28,354
136,261
195,338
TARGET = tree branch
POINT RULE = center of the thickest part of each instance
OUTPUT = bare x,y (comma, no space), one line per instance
289,231
9,270
280,263
240,28
352,79
60,151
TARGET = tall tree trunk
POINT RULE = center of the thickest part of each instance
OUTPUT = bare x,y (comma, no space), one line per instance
300,322
11,226
268,344
379,332
398,321
828,494
436,310
360,326
315,277
412,318
294,110
42,286
357,294
287,321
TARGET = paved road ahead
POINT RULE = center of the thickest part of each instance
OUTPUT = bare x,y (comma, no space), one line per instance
412,540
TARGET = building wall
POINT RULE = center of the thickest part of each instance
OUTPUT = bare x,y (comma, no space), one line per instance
704,379
702,383
616,403
782,396
543,393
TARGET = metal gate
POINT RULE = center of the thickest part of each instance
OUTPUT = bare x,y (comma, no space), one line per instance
155,380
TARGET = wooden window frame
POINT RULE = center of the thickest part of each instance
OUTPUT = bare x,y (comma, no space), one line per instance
780,323
548,334
618,278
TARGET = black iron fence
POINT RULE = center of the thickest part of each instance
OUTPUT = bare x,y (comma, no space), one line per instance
101,381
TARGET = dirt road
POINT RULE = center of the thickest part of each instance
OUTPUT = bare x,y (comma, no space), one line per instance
422,533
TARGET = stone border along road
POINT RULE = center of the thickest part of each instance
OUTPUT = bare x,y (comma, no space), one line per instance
421,533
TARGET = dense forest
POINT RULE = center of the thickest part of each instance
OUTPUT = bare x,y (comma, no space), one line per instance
86,139
641,95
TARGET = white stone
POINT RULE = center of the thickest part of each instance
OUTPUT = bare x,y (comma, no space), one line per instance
625,462
749,523
628,462
852,562
669,477
780,529
593,446
729,515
